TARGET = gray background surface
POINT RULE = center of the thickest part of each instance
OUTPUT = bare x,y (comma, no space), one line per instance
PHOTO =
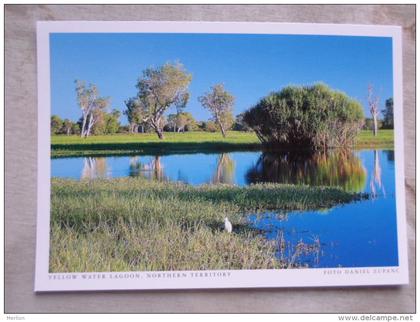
21,167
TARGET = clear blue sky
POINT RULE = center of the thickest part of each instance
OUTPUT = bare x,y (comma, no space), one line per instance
250,66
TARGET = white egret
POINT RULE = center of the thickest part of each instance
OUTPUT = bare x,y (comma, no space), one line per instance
228,225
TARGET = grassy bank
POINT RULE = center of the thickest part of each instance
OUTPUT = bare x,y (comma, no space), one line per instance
149,143
134,224
384,139
189,142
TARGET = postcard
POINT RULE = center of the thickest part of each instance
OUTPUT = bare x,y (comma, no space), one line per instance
184,155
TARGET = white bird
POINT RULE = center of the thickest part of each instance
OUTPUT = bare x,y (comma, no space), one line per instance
228,225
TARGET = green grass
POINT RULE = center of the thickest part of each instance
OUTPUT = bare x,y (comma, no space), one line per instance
234,137
384,139
132,224
188,142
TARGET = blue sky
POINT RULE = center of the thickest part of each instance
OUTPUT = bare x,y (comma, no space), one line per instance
250,66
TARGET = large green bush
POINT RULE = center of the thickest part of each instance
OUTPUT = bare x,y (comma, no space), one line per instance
306,117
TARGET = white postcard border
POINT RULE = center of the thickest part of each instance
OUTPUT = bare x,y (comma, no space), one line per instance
308,277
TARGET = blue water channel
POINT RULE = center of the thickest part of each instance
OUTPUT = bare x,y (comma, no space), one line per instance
359,234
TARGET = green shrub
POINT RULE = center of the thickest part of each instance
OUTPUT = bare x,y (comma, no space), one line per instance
306,117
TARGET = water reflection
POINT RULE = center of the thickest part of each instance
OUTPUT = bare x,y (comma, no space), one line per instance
225,170
376,185
135,167
390,155
94,168
344,169
360,234
151,169
351,235
339,168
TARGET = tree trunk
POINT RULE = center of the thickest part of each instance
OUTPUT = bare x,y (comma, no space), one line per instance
373,102
375,125
134,128
82,132
222,129
159,132
155,125
91,121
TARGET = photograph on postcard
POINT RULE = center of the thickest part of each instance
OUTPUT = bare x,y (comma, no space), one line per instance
216,151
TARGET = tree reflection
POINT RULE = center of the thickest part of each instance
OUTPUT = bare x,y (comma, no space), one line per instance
152,170
225,170
136,167
390,155
157,169
94,168
376,176
339,168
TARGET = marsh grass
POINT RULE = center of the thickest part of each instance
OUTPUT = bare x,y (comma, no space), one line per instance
134,224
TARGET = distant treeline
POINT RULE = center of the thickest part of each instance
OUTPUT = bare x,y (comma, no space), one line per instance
110,123
315,116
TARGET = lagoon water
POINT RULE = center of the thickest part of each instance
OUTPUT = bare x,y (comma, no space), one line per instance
359,234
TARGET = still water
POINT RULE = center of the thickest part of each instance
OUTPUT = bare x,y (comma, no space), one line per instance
359,234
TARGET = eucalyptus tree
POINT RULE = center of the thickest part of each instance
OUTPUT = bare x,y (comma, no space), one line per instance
91,105
220,104
180,122
67,126
107,123
56,124
185,122
373,102
135,114
113,121
171,124
159,89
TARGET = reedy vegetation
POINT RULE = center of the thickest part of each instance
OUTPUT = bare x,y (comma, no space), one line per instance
135,224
